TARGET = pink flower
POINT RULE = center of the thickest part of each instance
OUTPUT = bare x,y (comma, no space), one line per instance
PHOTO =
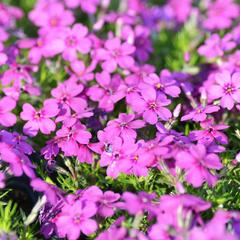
220,14
50,15
166,84
151,105
76,218
39,119
216,47
66,95
109,91
125,125
115,54
69,138
75,40
227,88
199,114
2,180
19,163
7,118
209,133
197,163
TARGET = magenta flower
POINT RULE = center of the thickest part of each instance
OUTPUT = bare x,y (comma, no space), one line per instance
69,138
151,106
7,118
51,191
39,119
75,40
216,47
115,54
209,133
19,163
197,163
51,15
199,114
125,125
76,218
66,95
165,84
115,156
227,88
109,91
220,14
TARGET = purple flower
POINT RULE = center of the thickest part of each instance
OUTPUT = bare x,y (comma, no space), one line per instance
197,163
199,114
151,105
114,53
39,120
227,88
76,218
7,118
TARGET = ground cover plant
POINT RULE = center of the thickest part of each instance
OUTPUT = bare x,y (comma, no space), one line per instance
119,119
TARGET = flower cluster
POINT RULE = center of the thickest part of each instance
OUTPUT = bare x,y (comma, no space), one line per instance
119,114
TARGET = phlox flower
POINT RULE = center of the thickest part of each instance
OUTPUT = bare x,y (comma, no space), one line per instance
75,40
199,114
76,218
69,139
227,87
115,156
215,228
125,125
216,47
108,91
220,14
197,163
18,162
105,201
7,118
165,84
151,106
51,15
39,119
211,132
66,95
178,11
51,191
116,54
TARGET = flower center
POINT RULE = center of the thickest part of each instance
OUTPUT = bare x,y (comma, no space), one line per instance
54,21
159,86
229,88
71,41
38,115
39,43
116,52
199,110
77,218
135,157
152,105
